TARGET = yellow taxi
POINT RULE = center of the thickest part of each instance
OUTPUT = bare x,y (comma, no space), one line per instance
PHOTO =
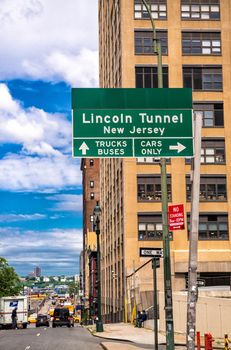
32,318
76,318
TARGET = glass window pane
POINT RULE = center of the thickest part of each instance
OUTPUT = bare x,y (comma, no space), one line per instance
185,14
202,227
204,8
217,50
185,8
154,15
159,227
138,15
209,151
142,227
206,43
205,16
162,7
206,51
210,159
154,7
216,43
212,226
195,8
214,8
195,15
138,7
150,227
223,227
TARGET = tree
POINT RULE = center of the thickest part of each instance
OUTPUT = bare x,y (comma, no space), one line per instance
9,280
73,288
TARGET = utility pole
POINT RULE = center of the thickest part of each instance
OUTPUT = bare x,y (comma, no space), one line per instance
193,238
166,243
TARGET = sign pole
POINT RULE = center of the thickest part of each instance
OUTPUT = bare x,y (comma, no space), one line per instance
193,239
166,243
155,304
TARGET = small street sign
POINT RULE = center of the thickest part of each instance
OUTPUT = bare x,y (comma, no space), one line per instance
176,217
155,263
151,252
110,123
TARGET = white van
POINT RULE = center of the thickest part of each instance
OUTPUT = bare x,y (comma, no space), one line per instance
7,305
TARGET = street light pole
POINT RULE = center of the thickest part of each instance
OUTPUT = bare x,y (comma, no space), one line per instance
166,243
96,215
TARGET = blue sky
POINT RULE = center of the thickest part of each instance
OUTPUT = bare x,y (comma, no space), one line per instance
47,47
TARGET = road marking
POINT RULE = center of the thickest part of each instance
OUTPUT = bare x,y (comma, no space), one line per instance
38,334
28,347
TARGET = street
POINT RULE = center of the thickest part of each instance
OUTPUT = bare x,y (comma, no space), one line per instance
61,338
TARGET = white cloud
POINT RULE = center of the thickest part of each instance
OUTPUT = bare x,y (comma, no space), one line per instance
67,202
38,131
24,173
21,217
45,162
50,40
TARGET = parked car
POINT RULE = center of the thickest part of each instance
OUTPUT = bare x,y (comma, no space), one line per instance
32,318
42,320
61,318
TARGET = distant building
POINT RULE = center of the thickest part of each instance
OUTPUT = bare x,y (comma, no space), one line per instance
37,271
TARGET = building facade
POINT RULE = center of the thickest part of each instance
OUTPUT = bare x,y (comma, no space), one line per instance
196,46
90,182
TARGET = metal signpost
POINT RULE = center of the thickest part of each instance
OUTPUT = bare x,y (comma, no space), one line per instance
156,253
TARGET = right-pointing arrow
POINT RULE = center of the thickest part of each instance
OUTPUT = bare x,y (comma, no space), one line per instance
179,147
84,148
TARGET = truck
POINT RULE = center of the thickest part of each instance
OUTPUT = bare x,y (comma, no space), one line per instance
7,305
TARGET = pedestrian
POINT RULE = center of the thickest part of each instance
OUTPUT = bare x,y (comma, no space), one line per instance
143,317
138,320
14,318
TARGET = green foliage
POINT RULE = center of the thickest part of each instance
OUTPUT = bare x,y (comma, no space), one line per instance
73,288
9,280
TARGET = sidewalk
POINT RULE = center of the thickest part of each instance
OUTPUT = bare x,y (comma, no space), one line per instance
128,333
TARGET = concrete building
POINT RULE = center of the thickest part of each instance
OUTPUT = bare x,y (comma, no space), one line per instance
90,176
196,46
37,271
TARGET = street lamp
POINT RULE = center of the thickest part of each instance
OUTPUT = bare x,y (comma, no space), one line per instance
166,243
96,217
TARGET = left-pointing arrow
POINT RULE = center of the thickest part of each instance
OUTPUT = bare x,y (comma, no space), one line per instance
84,148
179,147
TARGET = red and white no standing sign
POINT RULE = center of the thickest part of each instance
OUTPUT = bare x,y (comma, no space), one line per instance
176,217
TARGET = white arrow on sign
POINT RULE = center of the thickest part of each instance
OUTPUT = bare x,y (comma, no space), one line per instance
84,148
179,147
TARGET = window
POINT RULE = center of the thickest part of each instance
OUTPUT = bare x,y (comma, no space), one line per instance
213,151
158,9
147,77
91,162
212,114
203,78
212,227
150,160
144,42
150,227
92,195
91,184
200,9
149,188
199,43
212,188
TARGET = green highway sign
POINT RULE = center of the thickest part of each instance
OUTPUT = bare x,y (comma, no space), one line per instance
132,123
122,148
171,147
98,148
